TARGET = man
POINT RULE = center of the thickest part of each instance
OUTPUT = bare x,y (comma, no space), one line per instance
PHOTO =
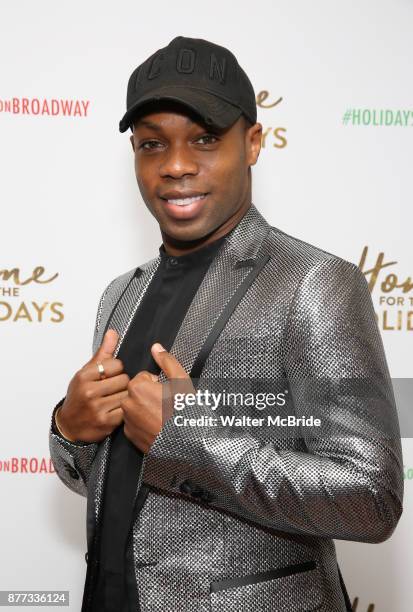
192,518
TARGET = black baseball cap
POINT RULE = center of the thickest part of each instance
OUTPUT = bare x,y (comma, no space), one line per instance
203,76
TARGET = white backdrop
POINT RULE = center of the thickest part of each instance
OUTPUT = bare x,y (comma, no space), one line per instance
335,171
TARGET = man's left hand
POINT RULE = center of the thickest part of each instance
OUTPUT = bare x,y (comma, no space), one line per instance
145,409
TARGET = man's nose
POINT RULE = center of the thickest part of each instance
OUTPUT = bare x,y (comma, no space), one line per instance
177,162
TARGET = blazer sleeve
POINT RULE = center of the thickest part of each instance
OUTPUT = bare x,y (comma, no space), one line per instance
73,460
341,484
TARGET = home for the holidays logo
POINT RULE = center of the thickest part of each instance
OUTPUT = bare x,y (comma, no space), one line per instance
21,298
393,293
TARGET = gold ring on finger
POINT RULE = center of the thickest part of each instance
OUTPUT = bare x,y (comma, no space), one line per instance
101,371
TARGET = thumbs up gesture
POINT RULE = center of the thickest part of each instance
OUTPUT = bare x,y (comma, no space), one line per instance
91,410
147,404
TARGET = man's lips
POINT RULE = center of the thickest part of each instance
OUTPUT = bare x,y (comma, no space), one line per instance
184,205
183,198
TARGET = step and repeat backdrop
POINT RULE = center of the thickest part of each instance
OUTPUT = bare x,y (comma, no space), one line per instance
335,98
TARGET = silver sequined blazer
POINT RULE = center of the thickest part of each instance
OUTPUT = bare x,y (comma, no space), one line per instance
245,521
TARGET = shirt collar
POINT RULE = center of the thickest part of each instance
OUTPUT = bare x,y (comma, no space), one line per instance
205,253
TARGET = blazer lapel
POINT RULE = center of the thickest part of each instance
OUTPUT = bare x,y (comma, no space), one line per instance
128,302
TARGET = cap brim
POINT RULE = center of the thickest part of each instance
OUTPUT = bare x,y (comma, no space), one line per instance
214,111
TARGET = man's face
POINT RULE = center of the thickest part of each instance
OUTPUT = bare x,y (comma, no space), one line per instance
193,179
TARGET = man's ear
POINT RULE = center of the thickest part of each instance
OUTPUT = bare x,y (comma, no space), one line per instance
132,142
254,141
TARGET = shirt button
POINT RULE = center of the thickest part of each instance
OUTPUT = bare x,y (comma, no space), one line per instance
173,261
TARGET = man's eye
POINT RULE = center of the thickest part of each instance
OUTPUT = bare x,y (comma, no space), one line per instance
149,145
207,139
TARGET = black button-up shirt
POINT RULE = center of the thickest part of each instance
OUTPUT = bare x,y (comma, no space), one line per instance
157,319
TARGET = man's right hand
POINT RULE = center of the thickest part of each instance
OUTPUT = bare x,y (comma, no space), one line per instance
91,410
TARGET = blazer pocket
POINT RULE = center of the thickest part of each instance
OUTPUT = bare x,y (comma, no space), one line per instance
293,587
